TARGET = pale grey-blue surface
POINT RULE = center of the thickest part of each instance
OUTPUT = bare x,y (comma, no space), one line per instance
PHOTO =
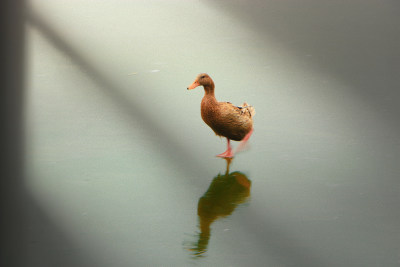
118,156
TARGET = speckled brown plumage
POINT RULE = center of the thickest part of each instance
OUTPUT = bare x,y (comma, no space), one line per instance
226,119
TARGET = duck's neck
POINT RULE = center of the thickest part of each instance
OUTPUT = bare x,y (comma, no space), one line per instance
209,91
209,104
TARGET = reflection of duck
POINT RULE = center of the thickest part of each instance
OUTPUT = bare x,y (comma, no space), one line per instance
234,123
224,194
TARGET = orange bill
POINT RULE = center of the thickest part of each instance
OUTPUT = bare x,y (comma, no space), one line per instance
193,85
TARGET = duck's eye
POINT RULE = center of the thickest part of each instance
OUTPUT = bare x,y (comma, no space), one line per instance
202,77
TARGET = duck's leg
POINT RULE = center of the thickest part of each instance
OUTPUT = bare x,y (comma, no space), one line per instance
228,153
243,143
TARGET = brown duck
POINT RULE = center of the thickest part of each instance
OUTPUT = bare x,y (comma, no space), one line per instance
233,122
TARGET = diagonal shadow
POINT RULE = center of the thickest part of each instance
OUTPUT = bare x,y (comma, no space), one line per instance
180,158
171,147
354,41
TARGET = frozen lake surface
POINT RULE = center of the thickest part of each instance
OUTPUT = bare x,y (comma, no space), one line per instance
121,170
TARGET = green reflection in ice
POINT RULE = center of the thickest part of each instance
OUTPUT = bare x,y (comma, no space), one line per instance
225,193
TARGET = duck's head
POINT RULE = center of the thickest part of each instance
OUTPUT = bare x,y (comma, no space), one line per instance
202,79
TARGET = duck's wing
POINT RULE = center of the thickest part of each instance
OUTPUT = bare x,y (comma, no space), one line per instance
244,110
247,109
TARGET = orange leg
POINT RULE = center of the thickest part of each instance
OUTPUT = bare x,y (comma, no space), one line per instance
228,153
243,143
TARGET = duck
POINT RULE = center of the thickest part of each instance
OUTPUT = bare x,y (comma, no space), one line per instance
225,119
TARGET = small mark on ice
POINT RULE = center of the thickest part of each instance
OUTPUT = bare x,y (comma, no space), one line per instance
153,71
